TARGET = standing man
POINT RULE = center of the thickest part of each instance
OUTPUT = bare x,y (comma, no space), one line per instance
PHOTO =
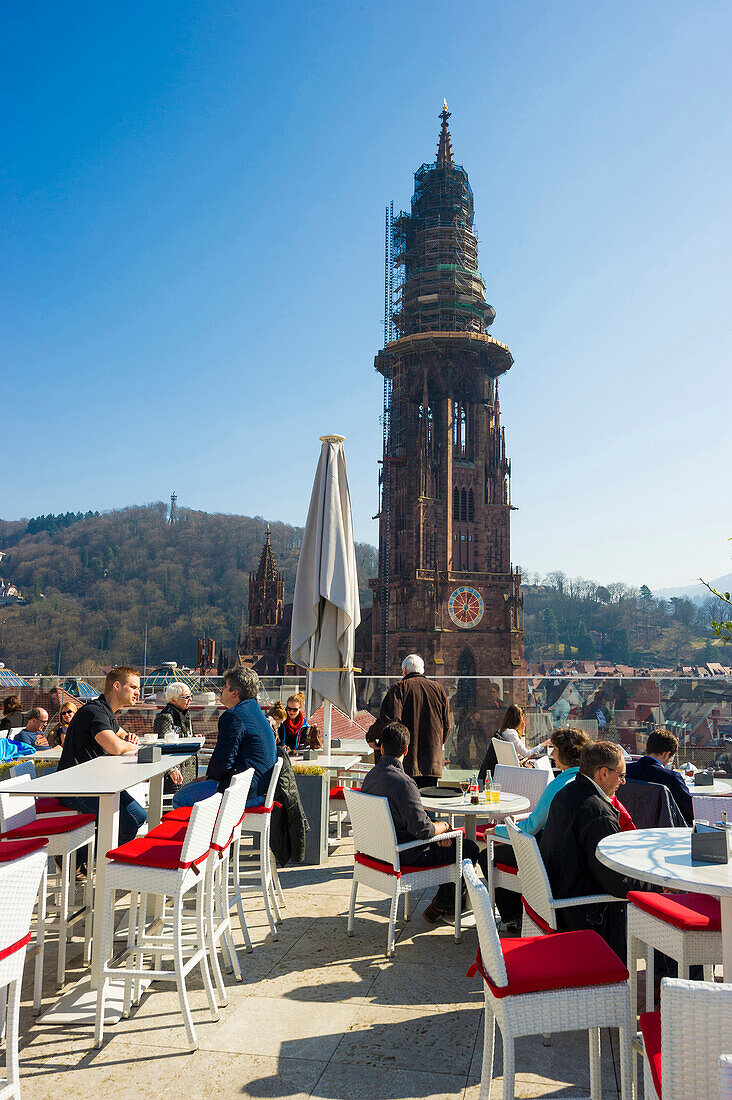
93,732
245,740
422,706
32,733
656,767
580,816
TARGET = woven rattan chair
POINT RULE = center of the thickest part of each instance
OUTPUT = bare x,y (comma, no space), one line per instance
505,752
540,905
724,1062
20,880
257,821
682,1042
571,981
27,769
169,869
378,861
531,783
336,797
66,834
710,808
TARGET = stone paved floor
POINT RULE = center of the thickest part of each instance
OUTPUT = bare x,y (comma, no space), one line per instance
317,1015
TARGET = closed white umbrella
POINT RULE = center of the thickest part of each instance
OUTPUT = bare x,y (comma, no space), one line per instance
326,609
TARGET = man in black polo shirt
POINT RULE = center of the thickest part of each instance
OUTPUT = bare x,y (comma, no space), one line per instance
94,731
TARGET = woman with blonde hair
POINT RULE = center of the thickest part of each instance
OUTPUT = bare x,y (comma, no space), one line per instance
293,732
57,734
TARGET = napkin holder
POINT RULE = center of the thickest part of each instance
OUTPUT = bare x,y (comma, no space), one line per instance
149,754
703,779
310,754
709,844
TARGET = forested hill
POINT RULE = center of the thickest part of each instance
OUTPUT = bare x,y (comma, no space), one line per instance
93,581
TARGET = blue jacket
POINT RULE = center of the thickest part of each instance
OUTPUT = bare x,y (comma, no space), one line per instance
245,740
650,770
536,820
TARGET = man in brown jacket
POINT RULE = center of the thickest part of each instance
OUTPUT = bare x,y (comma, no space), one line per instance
422,706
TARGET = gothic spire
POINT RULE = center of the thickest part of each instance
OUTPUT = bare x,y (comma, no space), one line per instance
267,568
444,150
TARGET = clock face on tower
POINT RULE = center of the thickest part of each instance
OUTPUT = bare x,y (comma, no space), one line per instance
466,607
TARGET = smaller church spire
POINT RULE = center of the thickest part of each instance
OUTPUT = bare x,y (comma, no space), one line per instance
444,150
267,569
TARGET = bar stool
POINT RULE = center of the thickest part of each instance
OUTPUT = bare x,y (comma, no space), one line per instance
65,835
43,805
256,822
154,865
20,880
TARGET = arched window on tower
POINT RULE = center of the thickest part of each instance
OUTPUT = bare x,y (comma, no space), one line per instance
465,694
471,507
463,506
456,504
427,416
460,429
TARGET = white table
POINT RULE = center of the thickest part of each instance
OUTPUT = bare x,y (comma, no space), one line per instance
663,856
328,763
509,804
718,787
104,778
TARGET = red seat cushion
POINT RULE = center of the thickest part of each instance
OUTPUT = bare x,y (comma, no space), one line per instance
387,869
263,809
52,806
49,826
151,852
507,868
563,960
337,793
650,1025
481,831
14,849
181,814
169,830
692,912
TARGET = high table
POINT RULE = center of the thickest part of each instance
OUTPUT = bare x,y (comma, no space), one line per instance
663,856
104,778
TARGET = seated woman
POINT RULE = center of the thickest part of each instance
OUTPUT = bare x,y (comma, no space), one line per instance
293,733
513,728
174,719
276,716
566,748
13,717
57,733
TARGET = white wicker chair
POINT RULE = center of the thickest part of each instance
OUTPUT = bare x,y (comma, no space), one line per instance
336,797
256,822
682,1043
66,834
20,881
568,982
710,808
149,865
505,752
43,805
540,905
724,1062
531,783
686,927
377,861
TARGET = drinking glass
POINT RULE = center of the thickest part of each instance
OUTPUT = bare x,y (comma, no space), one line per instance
465,787
495,792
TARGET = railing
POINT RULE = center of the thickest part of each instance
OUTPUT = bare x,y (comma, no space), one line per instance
697,711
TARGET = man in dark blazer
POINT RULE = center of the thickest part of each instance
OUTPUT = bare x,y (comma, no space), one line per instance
655,767
422,706
580,816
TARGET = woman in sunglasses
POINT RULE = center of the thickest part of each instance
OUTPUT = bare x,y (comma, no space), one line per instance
293,733
57,734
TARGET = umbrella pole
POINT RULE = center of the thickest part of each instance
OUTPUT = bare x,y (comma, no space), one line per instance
327,708
309,679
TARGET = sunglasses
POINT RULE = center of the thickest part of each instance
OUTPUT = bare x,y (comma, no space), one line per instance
67,712
292,710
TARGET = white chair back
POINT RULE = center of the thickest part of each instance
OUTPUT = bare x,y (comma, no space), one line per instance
696,1027
505,752
490,944
534,881
19,882
16,810
232,808
373,828
25,767
270,796
197,841
524,781
710,808
724,1062
543,763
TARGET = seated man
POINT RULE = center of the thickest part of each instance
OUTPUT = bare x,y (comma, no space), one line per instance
388,778
579,817
245,740
655,767
32,733
94,731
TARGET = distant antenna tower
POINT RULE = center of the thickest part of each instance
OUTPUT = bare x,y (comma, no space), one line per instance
173,508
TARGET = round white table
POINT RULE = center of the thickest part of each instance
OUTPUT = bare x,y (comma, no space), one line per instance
663,856
718,787
496,811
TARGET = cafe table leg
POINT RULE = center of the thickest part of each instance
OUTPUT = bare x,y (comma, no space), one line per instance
107,833
154,817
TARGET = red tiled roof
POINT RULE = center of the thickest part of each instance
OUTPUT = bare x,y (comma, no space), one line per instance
343,727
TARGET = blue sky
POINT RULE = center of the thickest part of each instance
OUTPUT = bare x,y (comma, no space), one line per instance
193,198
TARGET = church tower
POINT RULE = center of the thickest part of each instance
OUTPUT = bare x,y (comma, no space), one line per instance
266,609
446,588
